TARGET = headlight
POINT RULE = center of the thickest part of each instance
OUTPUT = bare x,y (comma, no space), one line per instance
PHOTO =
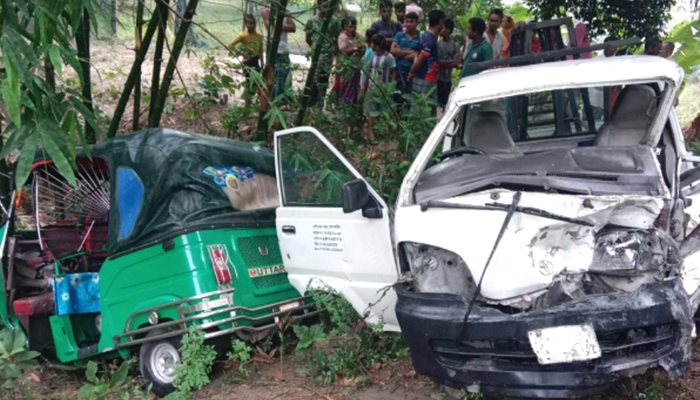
629,252
436,270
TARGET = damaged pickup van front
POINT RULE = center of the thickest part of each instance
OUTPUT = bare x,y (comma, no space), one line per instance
549,257
545,239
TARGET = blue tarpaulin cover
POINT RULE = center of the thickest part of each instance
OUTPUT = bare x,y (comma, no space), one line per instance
77,293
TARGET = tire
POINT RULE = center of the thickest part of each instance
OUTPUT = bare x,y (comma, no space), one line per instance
157,361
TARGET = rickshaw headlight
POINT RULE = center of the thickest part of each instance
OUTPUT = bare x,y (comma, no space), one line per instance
153,318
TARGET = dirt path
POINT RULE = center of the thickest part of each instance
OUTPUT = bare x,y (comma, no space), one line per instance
286,380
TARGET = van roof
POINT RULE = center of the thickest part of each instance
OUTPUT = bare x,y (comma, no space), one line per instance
599,71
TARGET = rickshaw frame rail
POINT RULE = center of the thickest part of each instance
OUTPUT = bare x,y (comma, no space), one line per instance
182,321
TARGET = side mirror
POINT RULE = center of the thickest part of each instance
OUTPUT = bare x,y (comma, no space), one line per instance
356,196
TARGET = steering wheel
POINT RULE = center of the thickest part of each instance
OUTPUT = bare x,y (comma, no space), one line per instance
458,151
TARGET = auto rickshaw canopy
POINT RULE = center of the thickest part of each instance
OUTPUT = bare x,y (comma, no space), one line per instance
165,183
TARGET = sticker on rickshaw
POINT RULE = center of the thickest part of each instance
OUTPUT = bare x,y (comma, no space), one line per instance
229,177
264,271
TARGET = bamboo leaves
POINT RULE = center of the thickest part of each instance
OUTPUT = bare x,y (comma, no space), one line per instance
11,94
26,158
33,34
55,57
53,140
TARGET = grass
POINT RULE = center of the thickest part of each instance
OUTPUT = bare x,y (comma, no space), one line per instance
223,19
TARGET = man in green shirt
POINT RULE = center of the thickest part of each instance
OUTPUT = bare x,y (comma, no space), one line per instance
329,47
479,49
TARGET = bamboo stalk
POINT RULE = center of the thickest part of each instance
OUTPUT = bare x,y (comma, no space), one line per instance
82,41
50,73
137,47
278,12
113,19
162,10
314,62
133,74
172,62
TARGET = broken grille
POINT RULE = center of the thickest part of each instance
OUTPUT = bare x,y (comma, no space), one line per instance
616,345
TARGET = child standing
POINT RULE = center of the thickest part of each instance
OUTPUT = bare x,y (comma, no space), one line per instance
251,50
369,33
381,69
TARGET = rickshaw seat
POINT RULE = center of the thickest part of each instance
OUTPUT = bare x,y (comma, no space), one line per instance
34,305
97,240
63,241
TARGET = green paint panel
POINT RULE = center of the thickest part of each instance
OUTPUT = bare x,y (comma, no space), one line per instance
154,276
63,337
251,247
265,282
252,250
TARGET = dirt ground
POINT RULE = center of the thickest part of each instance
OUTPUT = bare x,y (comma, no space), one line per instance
285,378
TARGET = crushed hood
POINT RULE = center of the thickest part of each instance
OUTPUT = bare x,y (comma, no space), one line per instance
534,249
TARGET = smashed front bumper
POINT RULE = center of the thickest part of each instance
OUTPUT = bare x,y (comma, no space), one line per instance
649,327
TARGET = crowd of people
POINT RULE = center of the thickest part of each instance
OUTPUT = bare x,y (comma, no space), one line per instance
396,51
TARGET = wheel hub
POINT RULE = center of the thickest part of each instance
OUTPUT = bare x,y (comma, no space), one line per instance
165,358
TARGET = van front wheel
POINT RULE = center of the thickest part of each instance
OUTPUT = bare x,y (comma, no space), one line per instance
158,360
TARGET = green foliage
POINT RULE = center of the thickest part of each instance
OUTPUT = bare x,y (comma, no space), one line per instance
400,132
15,359
686,35
197,359
114,383
240,353
518,11
653,389
343,345
32,31
308,335
235,116
609,17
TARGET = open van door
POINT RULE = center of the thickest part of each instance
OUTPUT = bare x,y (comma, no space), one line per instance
333,228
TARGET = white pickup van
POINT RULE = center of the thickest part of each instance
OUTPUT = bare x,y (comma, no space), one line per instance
551,250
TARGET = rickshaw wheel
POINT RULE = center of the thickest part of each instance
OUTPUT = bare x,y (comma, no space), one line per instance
158,360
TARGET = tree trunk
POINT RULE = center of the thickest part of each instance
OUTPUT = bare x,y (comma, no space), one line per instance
50,73
82,41
277,16
192,37
314,62
114,20
172,63
137,46
162,11
133,74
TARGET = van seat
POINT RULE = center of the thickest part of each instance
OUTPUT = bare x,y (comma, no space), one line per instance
490,134
630,119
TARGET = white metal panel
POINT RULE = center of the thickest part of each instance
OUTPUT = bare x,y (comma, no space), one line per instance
361,267
599,71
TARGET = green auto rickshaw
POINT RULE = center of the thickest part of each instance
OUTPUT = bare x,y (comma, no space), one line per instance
163,231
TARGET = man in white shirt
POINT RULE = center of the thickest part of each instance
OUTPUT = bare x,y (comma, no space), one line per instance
413,7
492,34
